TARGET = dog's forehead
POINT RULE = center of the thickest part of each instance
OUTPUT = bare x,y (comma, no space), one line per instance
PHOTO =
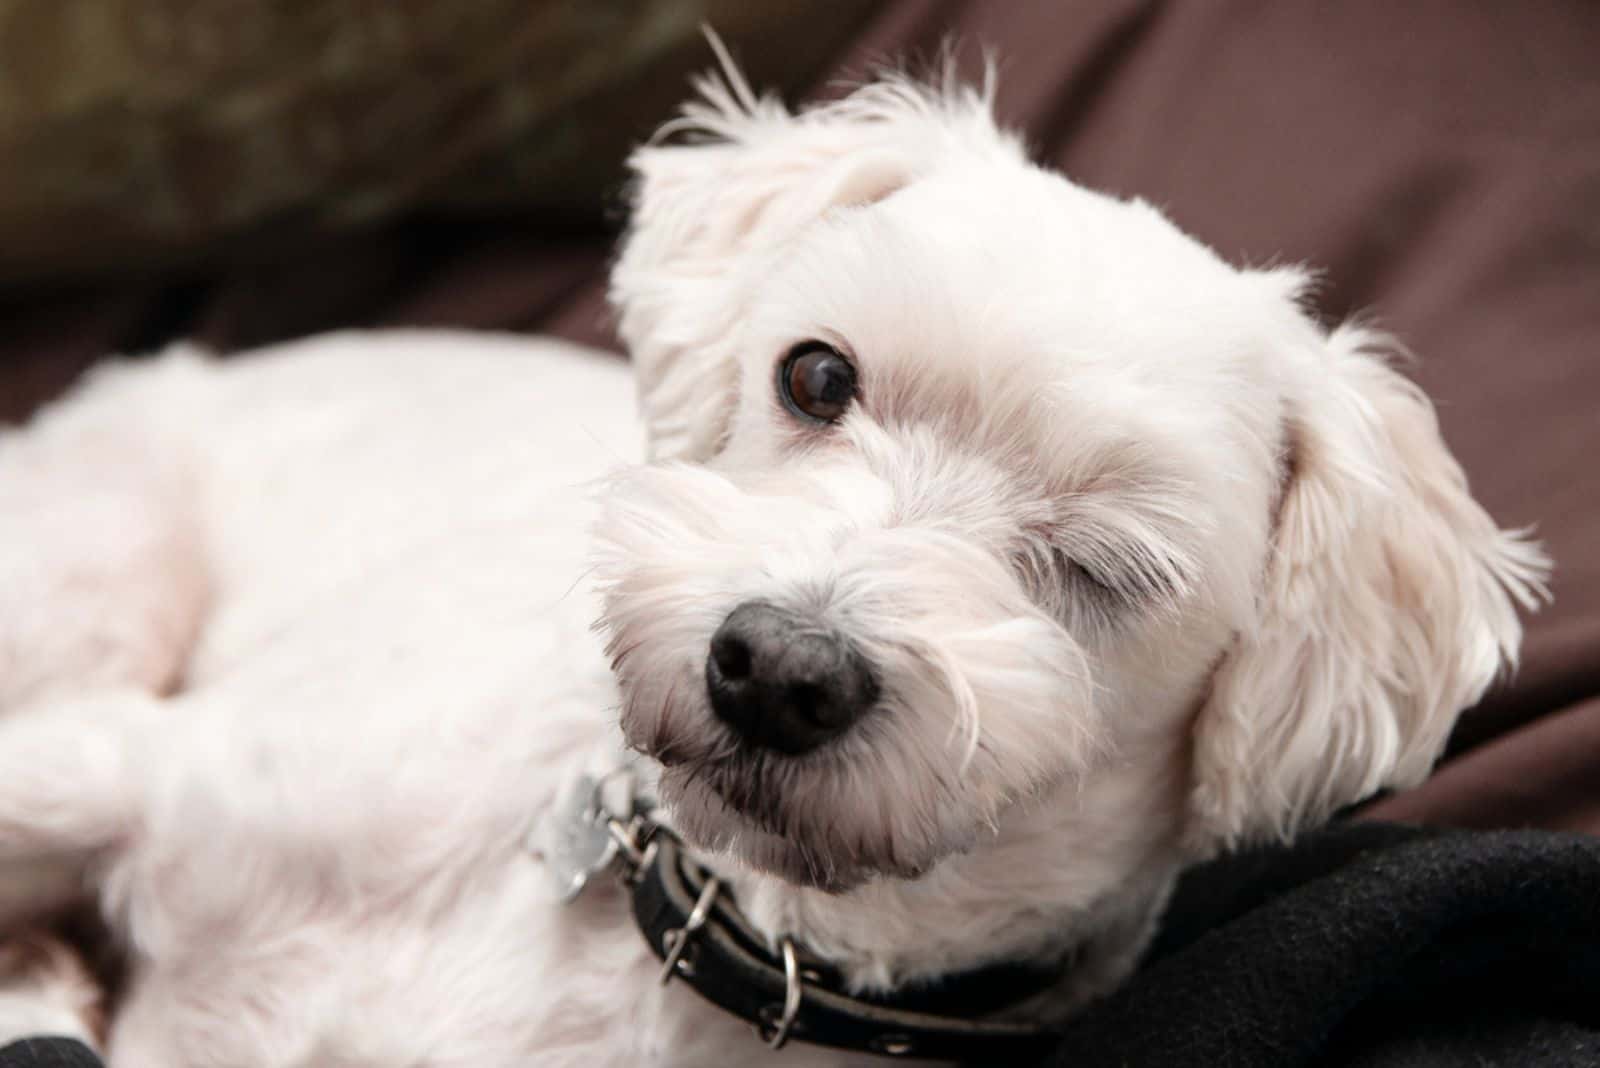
1008,299
994,266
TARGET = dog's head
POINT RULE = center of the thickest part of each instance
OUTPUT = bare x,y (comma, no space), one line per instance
971,489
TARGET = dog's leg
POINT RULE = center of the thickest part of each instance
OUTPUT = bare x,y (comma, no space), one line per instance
68,774
68,794
102,592
46,990
67,797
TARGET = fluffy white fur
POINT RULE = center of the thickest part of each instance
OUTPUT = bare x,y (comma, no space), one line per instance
296,649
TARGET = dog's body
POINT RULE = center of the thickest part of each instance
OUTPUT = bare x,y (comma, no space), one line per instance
327,830
1127,567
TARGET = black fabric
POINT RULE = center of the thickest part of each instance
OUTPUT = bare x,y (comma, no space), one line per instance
1371,946
48,1053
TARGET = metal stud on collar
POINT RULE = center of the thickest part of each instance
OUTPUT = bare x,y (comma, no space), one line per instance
627,836
676,940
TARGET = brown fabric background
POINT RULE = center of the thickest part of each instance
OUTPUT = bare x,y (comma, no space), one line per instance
1439,159
176,130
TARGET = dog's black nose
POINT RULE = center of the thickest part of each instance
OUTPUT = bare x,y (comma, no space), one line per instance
784,683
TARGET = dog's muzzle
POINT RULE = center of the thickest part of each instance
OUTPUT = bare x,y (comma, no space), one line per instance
783,683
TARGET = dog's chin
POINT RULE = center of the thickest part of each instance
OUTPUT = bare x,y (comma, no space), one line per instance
712,823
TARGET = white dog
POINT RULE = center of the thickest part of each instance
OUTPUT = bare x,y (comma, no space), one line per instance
1001,552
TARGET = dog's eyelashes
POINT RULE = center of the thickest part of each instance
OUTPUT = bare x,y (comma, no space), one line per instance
1082,589
817,382
1098,598
1092,583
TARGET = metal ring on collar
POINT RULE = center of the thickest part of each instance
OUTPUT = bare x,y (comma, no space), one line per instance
776,1033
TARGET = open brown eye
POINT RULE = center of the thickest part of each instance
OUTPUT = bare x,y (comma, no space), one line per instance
817,382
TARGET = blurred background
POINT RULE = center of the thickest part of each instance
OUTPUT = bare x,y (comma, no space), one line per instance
246,171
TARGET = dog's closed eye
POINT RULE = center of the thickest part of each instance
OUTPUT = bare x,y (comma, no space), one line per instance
1096,584
1054,578
817,382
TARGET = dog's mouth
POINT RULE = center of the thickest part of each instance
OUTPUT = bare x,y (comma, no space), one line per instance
747,807
709,820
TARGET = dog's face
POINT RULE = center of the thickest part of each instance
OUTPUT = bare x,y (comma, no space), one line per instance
974,489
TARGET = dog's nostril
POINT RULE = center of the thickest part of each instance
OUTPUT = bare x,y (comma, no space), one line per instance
732,656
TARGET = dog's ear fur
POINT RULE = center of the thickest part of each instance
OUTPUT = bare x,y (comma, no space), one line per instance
1387,607
750,177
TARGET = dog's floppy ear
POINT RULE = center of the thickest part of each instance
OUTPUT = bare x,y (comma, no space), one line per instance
751,176
1387,607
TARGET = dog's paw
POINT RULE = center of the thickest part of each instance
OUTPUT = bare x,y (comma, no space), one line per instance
45,989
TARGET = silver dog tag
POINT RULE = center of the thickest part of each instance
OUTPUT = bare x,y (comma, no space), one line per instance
576,845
